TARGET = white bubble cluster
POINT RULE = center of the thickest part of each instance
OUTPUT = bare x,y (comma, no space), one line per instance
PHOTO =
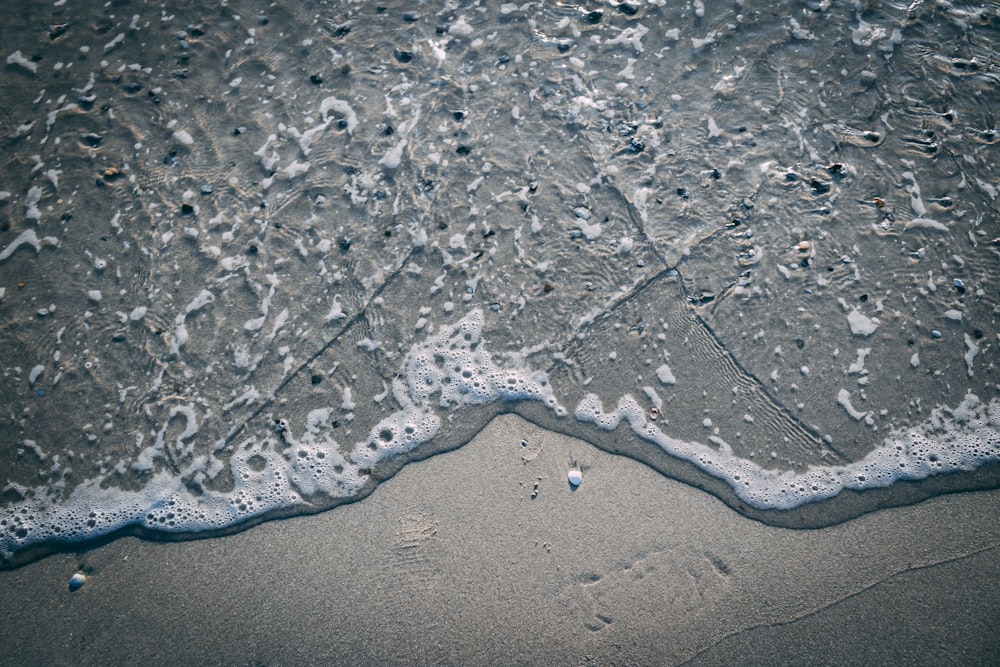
448,371
963,438
399,433
279,470
165,503
453,364
316,465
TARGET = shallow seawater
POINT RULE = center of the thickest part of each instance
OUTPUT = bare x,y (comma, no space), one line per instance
253,258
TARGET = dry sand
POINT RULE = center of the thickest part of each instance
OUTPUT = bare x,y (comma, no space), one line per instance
454,562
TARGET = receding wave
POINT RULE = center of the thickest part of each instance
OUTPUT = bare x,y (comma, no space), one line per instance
251,264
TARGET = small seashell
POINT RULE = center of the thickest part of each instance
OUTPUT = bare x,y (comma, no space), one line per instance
77,580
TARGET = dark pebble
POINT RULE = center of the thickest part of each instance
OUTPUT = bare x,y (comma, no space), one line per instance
819,187
316,79
403,56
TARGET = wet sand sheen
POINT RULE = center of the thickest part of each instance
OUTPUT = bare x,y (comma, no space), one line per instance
453,561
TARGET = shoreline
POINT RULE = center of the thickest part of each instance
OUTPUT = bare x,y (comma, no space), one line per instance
453,561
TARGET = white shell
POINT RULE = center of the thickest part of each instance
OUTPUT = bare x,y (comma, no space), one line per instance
574,477
77,580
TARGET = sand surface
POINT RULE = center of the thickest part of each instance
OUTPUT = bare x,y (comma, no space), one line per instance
454,562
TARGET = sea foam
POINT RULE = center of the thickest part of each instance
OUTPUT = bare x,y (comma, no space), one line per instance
450,370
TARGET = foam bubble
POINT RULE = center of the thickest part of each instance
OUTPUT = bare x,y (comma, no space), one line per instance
959,439
275,471
397,434
448,371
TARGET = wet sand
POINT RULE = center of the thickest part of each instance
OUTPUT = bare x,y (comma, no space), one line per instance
454,562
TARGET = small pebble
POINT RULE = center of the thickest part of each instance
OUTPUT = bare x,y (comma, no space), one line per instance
77,580
574,477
